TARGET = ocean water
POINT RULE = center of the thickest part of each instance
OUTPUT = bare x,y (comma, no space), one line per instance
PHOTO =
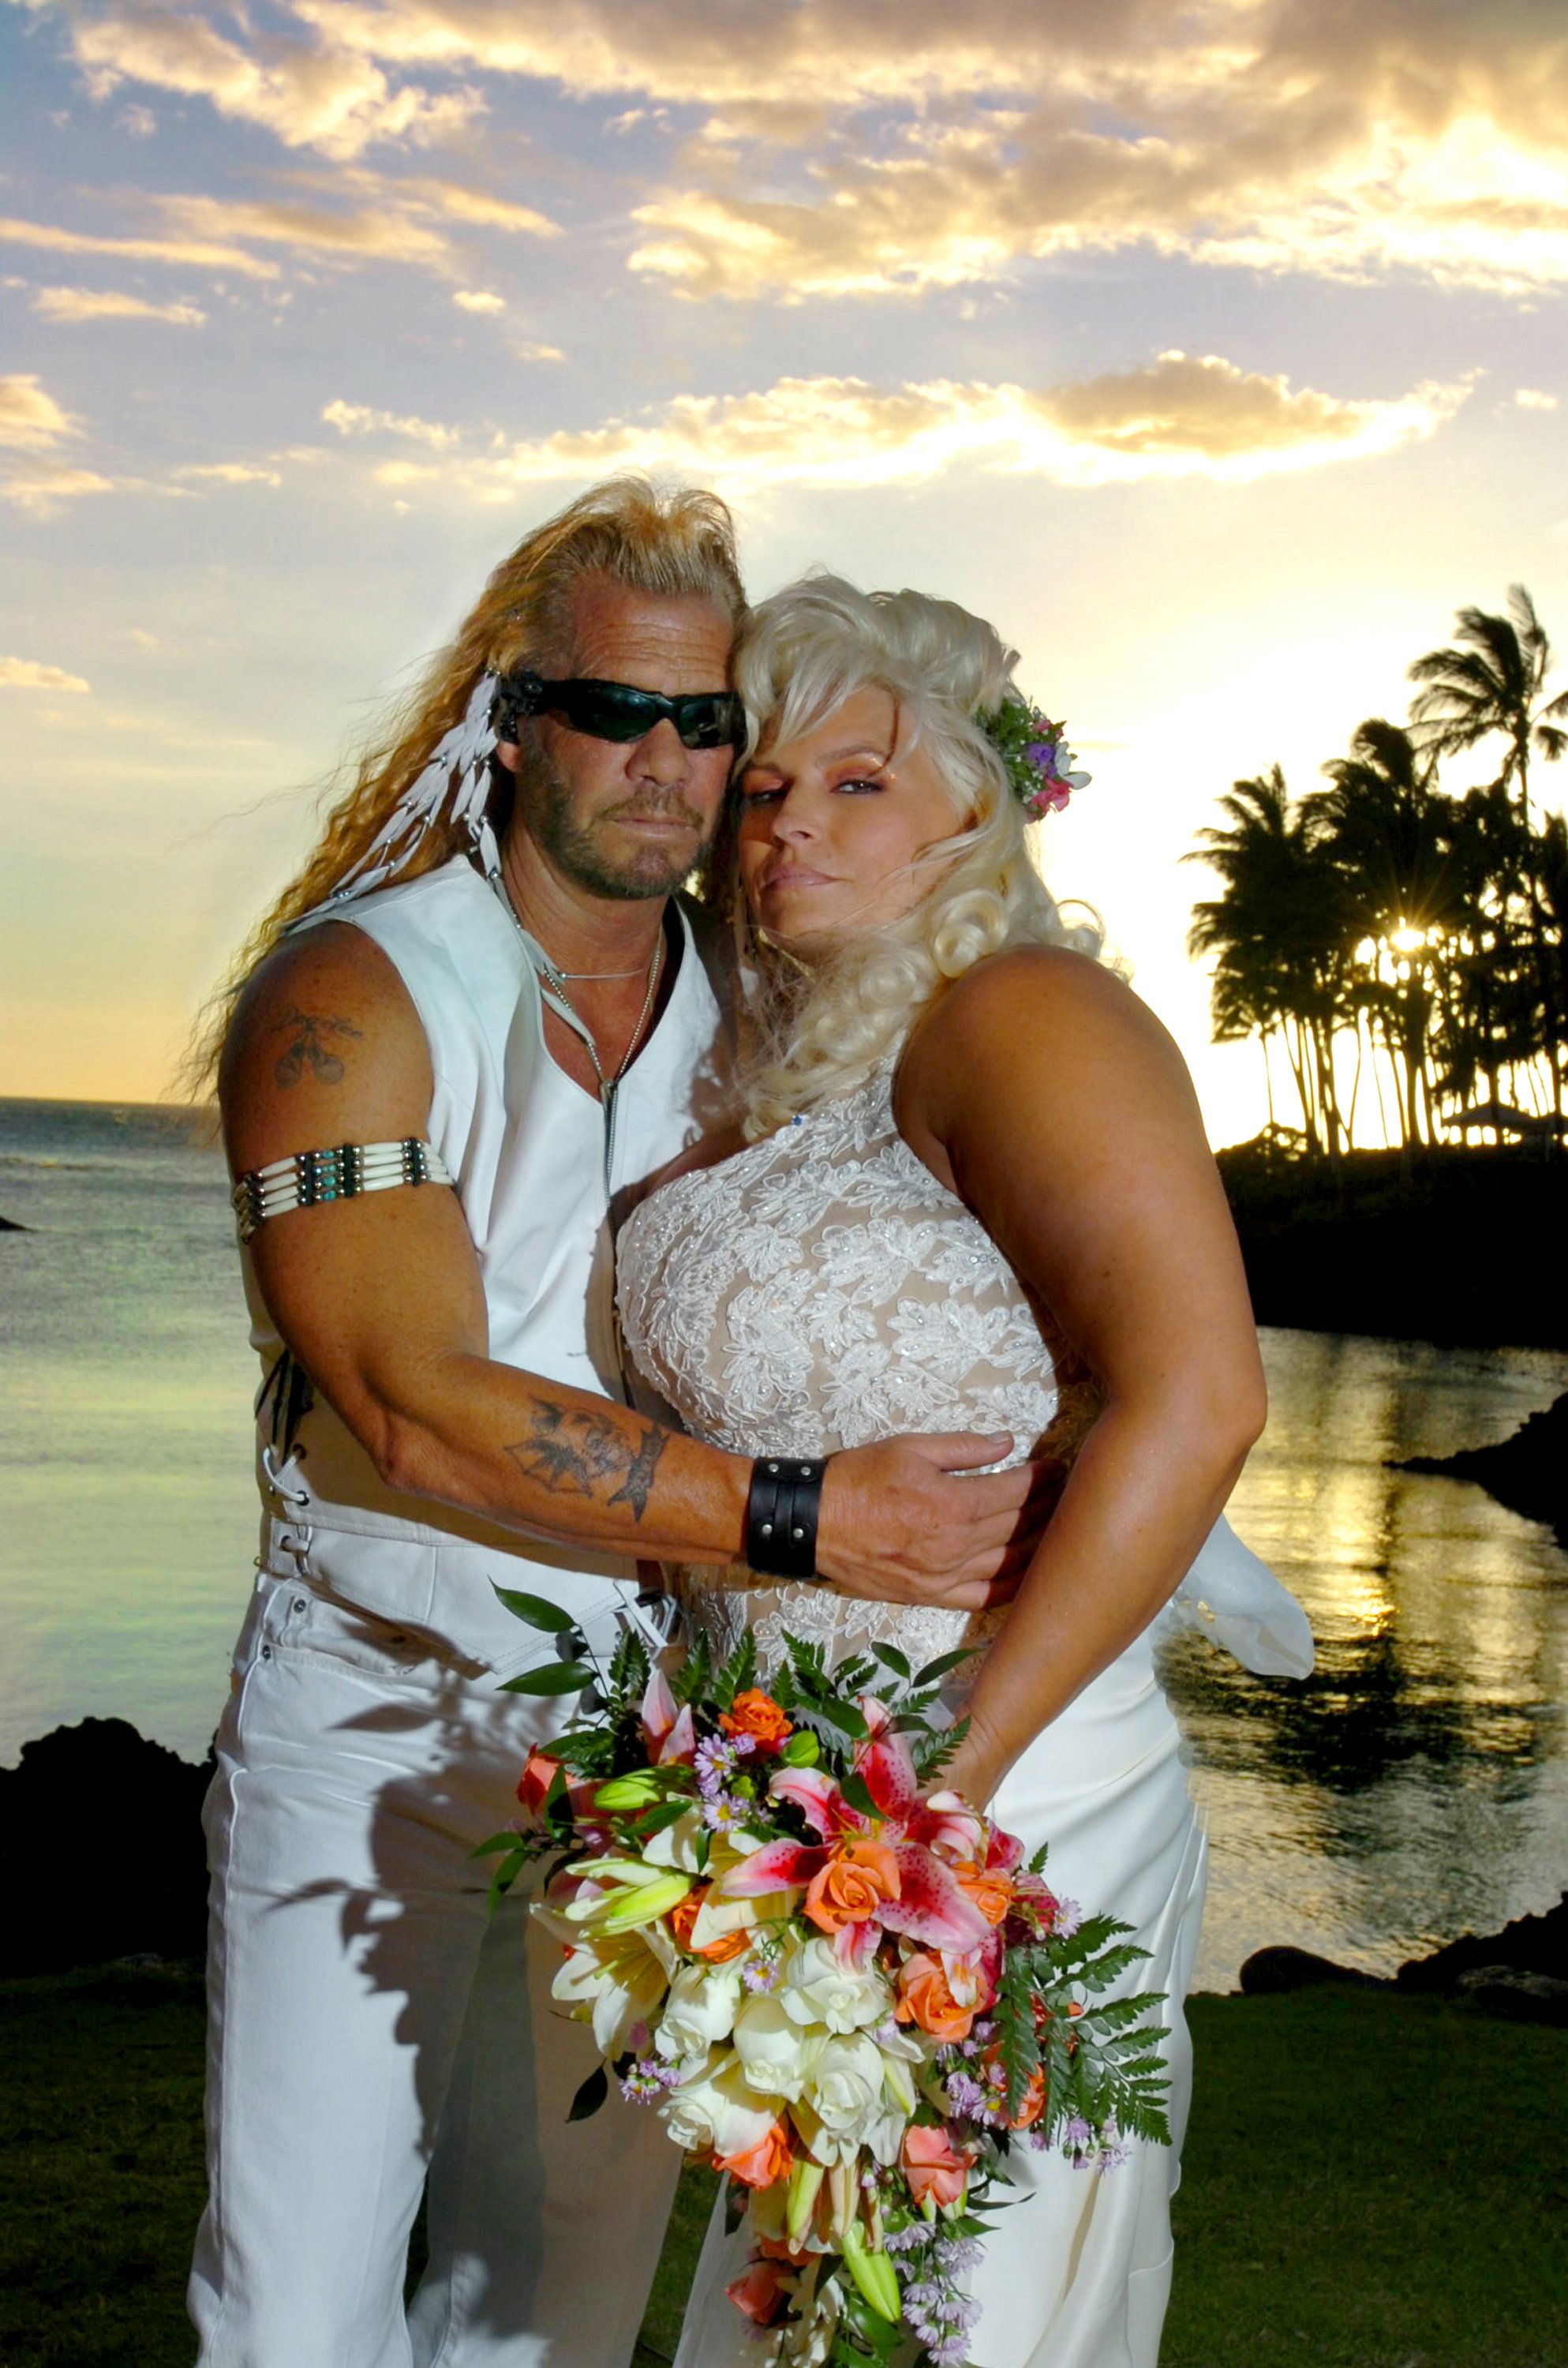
1416,1786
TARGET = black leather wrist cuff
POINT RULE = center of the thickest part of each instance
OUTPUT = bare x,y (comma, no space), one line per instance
782,1516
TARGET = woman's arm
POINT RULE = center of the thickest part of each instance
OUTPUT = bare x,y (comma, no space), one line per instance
1054,1103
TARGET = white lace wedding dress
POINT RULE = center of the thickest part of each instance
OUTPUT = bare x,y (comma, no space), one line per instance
820,1289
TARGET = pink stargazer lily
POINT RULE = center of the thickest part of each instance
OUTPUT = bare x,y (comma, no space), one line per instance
668,1733
930,1907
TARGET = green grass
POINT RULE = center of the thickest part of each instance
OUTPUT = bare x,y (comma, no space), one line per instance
1370,2181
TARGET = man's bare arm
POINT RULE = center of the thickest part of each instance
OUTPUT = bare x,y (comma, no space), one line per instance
380,1298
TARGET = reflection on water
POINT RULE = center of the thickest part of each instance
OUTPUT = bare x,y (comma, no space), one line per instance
1416,1785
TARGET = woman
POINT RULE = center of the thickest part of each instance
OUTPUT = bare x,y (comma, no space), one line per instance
976,1184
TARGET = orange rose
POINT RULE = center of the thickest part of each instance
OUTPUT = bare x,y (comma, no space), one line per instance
933,2166
859,1876
988,1887
763,2165
732,1944
924,1998
1033,2104
683,1915
778,2248
758,2292
758,1715
536,1781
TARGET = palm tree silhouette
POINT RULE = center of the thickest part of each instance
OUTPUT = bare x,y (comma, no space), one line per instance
1491,680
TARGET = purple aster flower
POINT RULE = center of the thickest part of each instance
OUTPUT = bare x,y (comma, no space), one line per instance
723,1812
648,2080
1068,1917
760,1975
965,2095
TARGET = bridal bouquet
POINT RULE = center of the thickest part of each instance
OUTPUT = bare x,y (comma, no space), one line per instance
831,1978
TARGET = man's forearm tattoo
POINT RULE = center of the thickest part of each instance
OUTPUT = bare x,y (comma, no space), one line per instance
306,1048
572,1453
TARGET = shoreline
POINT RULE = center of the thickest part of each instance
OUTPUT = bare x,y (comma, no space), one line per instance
1460,1250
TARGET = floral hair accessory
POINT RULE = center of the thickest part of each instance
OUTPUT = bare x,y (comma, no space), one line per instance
1035,753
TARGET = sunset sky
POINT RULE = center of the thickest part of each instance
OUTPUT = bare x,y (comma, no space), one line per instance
1215,352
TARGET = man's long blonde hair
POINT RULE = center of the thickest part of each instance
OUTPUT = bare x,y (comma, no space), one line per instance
814,1031
671,543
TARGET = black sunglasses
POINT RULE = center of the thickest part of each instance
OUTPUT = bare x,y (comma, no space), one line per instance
613,710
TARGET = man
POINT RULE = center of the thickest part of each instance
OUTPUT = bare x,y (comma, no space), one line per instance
442,1415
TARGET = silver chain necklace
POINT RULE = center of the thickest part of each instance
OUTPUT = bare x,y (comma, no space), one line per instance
552,977
556,980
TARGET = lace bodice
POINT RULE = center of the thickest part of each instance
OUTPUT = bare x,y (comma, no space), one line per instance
821,1290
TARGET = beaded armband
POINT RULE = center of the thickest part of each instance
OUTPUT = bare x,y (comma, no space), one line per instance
340,1175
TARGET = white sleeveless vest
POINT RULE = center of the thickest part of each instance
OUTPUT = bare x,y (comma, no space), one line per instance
536,1167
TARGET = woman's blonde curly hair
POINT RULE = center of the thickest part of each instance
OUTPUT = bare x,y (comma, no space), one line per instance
673,543
816,1030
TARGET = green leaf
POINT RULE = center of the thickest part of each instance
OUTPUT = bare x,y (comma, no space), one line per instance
504,1840
891,1659
858,1793
939,1667
665,1812
555,1677
535,1611
590,2096
505,1874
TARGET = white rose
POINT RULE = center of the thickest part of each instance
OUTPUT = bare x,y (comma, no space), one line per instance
845,2102
817,1989
776,2051
699,2012
716,2111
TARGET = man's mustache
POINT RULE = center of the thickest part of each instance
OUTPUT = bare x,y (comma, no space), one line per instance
667,809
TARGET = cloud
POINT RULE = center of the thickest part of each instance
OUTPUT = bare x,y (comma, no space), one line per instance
935,147
845,148
312,96
361,234
108,305
41,490
478,299
216,257
1177,415
26,674
31,419
1533,398
358,419
232,473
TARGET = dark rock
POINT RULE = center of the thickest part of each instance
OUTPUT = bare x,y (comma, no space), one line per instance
101,1850
1528,1472
1519,1997
1531,1944
1267,1972
9,1225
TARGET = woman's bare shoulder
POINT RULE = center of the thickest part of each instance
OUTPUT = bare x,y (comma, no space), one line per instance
1049,998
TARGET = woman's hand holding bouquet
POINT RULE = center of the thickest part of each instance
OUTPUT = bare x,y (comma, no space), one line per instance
830,1977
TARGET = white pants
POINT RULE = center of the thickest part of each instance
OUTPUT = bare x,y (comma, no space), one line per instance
369,2024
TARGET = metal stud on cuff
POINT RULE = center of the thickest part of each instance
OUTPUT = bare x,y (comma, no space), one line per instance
782,1509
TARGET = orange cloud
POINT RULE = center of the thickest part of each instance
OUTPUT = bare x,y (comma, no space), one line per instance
1177,415
109,305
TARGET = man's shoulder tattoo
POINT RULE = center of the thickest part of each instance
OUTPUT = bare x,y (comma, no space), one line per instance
310,1035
